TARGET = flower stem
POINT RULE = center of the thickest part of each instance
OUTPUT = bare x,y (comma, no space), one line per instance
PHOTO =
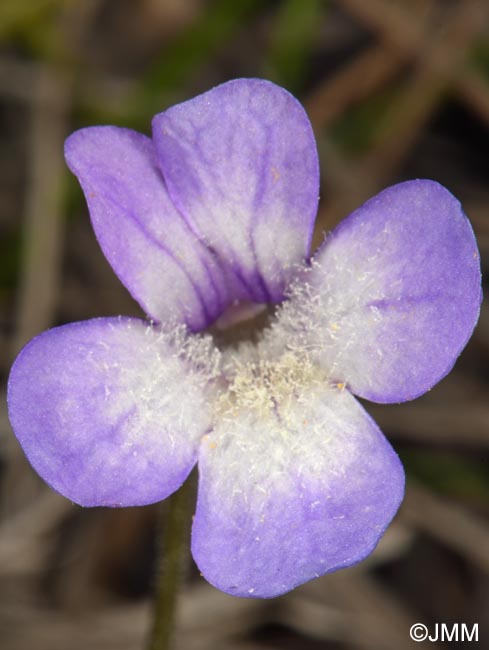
172,558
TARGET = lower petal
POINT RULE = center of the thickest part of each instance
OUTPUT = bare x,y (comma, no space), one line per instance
107,412
287,498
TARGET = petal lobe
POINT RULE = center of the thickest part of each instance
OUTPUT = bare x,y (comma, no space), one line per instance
285,500
240,163
107,412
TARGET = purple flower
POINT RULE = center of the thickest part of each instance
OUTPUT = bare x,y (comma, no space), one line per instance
215,213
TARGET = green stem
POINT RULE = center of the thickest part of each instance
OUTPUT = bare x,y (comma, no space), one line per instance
173,542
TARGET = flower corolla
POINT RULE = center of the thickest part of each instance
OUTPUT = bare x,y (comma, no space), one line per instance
210,217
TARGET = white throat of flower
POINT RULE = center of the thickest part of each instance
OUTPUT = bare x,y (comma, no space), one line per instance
275,414
263,386
262,379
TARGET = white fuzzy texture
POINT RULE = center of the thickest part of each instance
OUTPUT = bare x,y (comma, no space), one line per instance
111,411
295,479
141,395
147,386
328,319
280,423
277,419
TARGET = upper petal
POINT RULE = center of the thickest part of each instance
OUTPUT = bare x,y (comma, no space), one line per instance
288,496
151,248
240,162
393,294
107,411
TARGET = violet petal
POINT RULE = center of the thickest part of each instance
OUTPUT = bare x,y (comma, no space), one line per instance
281,502
150,247
107,412
240,163
396,292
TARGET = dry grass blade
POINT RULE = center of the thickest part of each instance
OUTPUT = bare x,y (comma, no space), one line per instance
461,423
38,291
208,619
21,549
400,29
368,72
353,83
421,95
474,90
381,622
414,105
448,522
43,211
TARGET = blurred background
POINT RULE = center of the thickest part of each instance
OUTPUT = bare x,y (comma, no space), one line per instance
395,90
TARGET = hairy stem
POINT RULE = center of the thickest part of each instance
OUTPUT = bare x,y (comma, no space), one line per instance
173,550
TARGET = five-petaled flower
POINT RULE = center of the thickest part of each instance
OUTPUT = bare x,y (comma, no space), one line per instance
214,214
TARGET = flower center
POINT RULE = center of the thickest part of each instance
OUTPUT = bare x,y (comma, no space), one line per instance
260,374
263,388
263,371
239,312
